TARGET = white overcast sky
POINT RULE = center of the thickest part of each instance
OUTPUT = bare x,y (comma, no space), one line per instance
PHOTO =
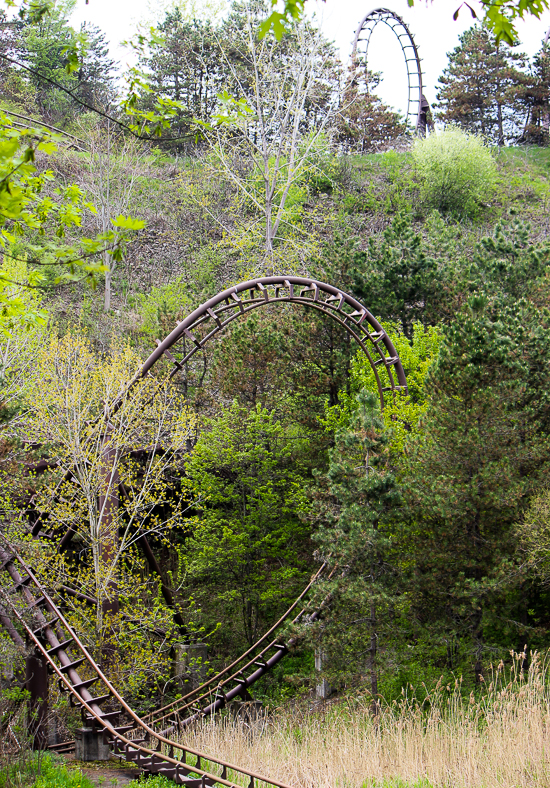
432,26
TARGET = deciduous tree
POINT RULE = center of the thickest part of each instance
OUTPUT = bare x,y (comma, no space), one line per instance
247,549
265,133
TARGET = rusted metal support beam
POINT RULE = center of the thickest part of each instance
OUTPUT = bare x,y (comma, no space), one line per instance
10,629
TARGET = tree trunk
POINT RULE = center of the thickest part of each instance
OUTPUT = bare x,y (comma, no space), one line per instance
108,533
108,278
500,126
36,675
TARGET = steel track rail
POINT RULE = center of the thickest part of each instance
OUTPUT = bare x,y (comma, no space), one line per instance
409,48
64,666
218,312
199,328
219,698
212,317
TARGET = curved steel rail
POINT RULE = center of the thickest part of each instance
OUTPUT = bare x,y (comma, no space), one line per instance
417,105
214,315
228,688
57,633
198,328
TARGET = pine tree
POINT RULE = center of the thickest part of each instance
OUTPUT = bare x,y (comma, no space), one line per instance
538,92
483,452
187,67
8,42
14,84
352,504
97,73
364,122
398,281
484,88
43,49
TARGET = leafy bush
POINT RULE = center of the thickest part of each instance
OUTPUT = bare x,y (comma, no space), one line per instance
163,306
54,775
41,770
154,781
457,169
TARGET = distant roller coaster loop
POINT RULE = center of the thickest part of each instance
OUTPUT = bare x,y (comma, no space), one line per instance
417,105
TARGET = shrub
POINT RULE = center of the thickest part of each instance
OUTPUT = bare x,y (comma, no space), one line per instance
57,775
163,306
457,169
41,770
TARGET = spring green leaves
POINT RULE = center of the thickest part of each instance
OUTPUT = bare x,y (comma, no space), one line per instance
46,225
279,21
501,15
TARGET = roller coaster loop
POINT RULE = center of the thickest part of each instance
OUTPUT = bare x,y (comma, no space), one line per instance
29,612
417,104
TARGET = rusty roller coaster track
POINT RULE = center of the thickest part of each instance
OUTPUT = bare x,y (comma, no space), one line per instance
417,104
29,609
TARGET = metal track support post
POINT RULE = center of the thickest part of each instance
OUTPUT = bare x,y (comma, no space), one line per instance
323,689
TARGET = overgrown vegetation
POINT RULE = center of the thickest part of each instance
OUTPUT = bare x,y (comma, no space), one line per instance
267,453
443,738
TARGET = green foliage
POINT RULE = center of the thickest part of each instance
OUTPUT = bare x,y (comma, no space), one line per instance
510,263
352,504
485,88
434,576
152,781
534,533
245,553
501,17
403,414
406,274
40,770
457,169
470,474
280,22
40,222
376,183
398,281
163,306
54,775
19,297
181,55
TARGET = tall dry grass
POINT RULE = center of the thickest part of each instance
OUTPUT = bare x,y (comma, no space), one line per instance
448,740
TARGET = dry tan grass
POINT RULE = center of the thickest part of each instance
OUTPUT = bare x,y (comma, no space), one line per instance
501,740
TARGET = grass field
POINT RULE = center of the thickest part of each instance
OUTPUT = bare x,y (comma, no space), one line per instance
450,740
